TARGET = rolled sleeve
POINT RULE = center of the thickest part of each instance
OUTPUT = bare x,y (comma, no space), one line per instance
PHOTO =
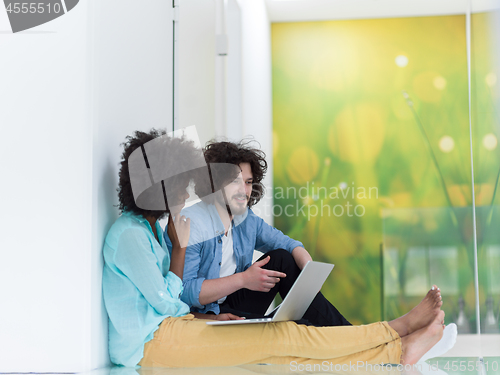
174,285
191,279
191,294
270,238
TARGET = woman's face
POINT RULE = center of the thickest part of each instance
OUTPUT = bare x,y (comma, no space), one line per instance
177,199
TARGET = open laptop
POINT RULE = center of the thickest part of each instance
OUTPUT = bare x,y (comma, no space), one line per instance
298,299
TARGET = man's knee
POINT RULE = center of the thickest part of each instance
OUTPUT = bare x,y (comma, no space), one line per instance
279,256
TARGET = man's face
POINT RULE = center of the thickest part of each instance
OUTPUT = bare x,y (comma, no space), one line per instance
239,190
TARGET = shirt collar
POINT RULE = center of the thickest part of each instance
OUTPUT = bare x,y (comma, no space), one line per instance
141,219
217,222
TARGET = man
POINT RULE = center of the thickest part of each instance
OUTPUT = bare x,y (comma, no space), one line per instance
218,272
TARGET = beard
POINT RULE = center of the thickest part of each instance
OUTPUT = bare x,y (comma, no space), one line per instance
233,206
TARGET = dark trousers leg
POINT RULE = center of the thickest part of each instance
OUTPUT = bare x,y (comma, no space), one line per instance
320,313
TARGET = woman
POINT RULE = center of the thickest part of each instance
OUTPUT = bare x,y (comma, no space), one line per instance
150,326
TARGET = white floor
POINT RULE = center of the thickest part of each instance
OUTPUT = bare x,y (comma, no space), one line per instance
475,346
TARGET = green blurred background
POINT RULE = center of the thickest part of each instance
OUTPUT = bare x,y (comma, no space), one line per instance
380,107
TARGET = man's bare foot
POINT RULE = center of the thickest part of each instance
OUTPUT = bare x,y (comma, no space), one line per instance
421,315
420,342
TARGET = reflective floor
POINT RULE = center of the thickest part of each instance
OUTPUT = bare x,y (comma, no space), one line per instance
436,366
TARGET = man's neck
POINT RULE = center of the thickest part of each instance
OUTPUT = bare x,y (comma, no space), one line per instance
225,217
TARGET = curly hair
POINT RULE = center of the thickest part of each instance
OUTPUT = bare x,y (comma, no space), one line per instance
237,153
180,147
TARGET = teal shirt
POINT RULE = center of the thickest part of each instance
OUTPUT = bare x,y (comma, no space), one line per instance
139,291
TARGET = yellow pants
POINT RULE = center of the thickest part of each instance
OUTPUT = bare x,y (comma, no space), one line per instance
190,342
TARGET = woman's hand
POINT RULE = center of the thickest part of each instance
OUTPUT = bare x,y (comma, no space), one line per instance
227,316
178,231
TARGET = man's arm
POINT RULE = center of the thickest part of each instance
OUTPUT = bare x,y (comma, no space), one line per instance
191,281
301,256
214,289
270,238
254,278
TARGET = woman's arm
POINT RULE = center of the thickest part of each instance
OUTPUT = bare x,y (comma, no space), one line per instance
178,232
135,259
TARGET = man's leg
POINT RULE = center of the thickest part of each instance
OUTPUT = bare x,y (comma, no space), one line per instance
320,313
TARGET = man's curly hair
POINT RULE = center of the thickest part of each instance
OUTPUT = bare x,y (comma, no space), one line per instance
183,149
237,153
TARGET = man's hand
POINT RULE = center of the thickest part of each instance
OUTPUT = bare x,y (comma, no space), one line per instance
259,279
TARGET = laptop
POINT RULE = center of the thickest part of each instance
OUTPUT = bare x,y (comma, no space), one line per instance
298,299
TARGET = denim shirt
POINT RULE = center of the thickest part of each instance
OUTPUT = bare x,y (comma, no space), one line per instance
204,251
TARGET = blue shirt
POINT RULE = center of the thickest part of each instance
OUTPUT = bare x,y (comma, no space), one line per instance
204,252
139,291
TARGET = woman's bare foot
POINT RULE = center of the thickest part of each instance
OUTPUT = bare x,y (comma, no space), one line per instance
420,342
421,315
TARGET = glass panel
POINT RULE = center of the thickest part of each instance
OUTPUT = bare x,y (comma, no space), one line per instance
485,95
372,159
426,246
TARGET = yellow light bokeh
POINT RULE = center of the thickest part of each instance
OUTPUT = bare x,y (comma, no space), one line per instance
439,83
446,144
491,79
358,133
401,61
276,143
424,87
303,165
490,141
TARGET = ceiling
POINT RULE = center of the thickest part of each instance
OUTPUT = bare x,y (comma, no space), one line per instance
315,10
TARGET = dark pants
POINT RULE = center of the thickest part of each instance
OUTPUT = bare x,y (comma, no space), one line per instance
251,304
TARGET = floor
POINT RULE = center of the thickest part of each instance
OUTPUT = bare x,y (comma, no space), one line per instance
436,366
471,355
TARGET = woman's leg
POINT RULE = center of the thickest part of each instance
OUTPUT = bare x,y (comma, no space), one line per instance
419,342
421,315
189,342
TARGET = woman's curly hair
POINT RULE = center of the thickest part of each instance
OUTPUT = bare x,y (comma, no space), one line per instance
180,147
237,153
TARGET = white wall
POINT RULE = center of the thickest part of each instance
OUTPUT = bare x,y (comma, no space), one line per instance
46,194
246,69
234,74
70,91
132,90
257,88
196,68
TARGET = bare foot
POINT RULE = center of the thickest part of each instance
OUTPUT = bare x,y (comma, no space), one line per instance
421,315
420,342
